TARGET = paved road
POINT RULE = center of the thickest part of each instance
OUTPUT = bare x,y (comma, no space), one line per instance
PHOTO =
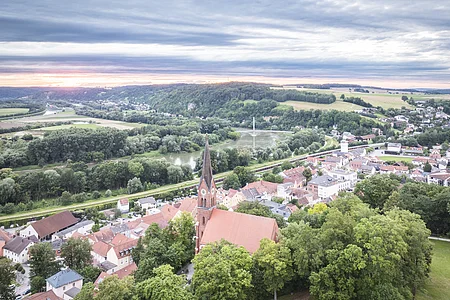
24,280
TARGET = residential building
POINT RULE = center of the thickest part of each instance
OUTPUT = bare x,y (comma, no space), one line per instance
342,175
127,271
412,150
17,249
123,205
146,203
82,228
120,252
439,178
65,284
4,238
324,186
45,228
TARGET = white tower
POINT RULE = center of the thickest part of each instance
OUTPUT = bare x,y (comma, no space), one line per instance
344,146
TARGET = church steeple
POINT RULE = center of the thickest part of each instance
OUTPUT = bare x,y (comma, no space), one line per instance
207,173
206,197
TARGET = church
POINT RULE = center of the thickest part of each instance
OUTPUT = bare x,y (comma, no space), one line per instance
214,224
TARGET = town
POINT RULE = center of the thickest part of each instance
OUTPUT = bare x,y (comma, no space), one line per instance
310,182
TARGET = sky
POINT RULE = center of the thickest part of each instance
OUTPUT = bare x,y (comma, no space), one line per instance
389,43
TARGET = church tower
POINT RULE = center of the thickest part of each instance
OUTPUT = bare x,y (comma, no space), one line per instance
206,200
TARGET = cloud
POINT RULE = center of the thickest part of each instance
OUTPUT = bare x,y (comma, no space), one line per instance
329,38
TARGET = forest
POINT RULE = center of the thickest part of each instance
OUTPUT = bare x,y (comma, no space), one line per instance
95,145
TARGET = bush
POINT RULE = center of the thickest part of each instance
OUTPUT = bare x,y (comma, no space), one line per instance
108,193
96,194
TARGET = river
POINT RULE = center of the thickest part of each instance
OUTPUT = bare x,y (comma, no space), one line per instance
262,138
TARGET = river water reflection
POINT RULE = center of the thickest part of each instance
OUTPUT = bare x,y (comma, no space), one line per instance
261,139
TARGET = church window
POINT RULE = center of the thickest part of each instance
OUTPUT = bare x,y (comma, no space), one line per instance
203,221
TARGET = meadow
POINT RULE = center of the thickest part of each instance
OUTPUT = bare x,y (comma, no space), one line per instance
12,111
437,286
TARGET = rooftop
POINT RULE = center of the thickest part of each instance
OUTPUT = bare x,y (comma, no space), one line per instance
74,227
18,244
324,180
146,200
239,229
54,223
72,292
64,277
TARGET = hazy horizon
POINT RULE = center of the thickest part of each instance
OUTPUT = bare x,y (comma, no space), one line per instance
391,44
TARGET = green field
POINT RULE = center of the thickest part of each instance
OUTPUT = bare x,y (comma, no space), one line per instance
437,286
89,126
13,111
382,99
396,158
338,105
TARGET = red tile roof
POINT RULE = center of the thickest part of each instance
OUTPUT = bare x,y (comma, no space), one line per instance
124,201
122,273
262,186
105,235
119,239
169,211
130,244
4,236
101,248
189,205
156,218
238,228
50,295
54,223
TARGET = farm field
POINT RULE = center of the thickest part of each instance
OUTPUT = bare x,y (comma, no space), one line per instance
51,128
67,116
12,111
396,158
437,286
338,105
377,98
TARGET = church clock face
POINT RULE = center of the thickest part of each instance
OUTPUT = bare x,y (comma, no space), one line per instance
203,191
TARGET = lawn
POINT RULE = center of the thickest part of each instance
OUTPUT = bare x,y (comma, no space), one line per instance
437,286
396,158
12,111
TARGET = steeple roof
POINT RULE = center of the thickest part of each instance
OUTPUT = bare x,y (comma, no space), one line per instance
207,173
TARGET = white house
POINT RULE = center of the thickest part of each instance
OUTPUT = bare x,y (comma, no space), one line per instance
342,175
82,228
65,284
146,203
17,249
45,228
439,178
123,205
394,148
324,186
120,254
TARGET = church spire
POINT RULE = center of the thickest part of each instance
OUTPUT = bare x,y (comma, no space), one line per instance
207,173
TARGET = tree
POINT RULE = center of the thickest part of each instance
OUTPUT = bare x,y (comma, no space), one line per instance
76,253
86,293
43,261
231,182
376,189
224,263
7,278
134,186
275,263
427,167
113,288
286,165
245,176
342,96
164,285
90,273
404,98
37,284
307,173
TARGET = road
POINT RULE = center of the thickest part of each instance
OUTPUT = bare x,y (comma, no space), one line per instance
167,188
